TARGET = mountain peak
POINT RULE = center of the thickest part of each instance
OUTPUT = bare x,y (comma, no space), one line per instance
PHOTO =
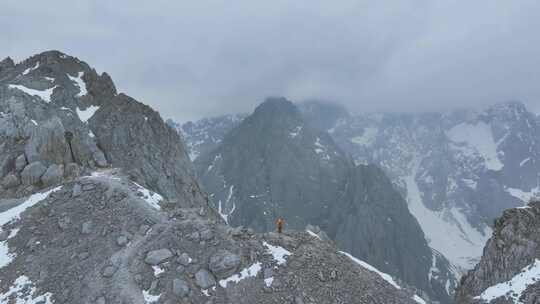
277,106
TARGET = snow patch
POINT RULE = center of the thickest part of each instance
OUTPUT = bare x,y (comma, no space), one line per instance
148,298
480,138
295,132
523,162
418,300
279,253
313,234
269,281
157,270
23,292
86,114
79,83
526,197
367,266
367,138
150,197
249,272
515,287
45,95
14,214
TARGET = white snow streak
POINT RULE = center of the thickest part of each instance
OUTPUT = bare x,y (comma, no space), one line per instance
45,95
224,215
27,71
249,272
367,266
80,84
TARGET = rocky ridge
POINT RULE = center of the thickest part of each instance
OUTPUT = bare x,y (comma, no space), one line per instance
509,271
99,204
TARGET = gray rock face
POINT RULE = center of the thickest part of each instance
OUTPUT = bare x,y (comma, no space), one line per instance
10,181
32,173
150,159
513,248
156,257
224,263
275,164
53,175
204,279
20,163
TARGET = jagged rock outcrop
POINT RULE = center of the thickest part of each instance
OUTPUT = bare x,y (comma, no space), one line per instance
57,111
142,232
275,164
509,271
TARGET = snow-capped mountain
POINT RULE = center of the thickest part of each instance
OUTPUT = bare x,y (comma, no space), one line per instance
275,164
458,170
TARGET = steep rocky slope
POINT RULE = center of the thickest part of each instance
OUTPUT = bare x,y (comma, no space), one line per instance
509,271
275,164
99,204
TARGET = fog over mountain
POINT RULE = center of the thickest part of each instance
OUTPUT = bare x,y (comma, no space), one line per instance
194,59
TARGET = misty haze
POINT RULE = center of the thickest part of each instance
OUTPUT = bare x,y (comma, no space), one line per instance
301,152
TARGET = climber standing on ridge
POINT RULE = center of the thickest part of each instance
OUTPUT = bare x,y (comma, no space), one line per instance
279,223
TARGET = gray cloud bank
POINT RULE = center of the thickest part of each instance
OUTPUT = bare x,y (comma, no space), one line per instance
191,59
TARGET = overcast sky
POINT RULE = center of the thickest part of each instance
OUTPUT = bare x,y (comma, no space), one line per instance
191,59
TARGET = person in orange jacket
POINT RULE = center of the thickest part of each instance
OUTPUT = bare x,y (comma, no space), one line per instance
279,223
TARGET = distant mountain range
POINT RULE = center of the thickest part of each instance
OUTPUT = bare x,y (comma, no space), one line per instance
457,170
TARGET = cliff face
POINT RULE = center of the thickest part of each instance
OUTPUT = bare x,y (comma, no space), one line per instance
509,270
275,164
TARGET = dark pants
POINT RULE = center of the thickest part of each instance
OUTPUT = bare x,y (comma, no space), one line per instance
279,228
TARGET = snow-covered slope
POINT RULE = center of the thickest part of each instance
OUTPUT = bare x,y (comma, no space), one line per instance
458,170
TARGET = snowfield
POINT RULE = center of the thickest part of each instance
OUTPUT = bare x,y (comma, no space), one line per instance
479,138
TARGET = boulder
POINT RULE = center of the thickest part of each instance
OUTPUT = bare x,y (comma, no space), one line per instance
184,259
53,175
224,263
10,181
156,257
72,170
180,288
20,162
87,227
204,279
32,173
